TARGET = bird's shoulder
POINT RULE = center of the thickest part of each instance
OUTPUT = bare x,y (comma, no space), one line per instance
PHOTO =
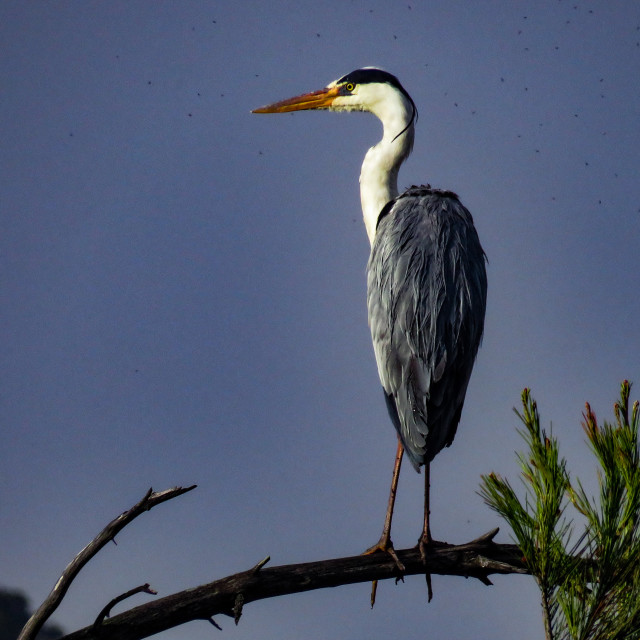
416,191
424,205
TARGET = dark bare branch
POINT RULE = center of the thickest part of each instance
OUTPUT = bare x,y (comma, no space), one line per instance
106,611
228,596
108,534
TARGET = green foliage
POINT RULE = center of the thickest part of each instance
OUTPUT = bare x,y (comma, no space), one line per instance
590,589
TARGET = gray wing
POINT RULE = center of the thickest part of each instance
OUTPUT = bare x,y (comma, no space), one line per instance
426,299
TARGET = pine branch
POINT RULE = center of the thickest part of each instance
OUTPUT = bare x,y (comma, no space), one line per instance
590,590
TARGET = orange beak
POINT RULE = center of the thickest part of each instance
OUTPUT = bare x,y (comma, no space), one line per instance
322,99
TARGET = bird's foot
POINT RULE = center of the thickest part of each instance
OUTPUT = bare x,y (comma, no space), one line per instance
424,543
386,546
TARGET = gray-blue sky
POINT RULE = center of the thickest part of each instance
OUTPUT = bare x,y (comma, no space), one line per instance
184,294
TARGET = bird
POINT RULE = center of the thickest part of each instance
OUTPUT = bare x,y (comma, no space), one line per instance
426,282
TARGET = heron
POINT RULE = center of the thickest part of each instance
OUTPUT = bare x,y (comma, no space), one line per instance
426,282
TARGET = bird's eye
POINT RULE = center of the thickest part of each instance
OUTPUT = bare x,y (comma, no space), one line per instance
349,86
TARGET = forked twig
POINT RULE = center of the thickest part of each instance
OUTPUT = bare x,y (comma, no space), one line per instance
106,611
53,600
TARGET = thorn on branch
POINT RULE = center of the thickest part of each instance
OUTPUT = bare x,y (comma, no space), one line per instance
259,566
215,624
487,537
237,608
484,579
147,495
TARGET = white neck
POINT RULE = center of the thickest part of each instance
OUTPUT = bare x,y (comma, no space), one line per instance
379,174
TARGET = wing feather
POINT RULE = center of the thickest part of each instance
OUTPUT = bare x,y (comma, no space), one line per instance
426,298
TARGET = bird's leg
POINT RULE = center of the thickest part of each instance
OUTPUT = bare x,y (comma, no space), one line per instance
385,544
425,538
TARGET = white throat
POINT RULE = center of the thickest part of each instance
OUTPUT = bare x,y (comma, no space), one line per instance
379,174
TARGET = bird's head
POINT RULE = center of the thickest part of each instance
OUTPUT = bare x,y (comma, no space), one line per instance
369,89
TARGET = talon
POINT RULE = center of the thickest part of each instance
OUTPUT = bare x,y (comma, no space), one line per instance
374,589
423,544
427,577
386,546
